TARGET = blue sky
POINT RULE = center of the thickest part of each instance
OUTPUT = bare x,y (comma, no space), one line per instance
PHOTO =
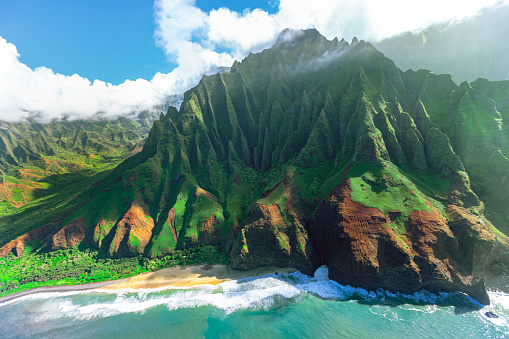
97,39
79,58
111,40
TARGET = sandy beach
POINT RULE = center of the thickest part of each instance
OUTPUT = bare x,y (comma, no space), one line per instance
173,276
192,276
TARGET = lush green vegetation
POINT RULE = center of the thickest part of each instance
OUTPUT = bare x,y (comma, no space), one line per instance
72,266
384,188
277,129
48,167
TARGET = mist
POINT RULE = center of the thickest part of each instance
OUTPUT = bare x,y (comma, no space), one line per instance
467,49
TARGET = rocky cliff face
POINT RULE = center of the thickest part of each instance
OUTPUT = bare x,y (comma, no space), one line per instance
314,152
363,246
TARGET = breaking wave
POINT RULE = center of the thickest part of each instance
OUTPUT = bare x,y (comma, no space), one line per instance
257,293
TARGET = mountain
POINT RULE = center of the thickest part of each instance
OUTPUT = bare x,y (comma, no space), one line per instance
313,152
468,49
24,143
42,163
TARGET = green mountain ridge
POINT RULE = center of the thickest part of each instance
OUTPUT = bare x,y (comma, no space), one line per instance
313,152
22,142
40,161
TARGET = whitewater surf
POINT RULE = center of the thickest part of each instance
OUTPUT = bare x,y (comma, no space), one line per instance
275,305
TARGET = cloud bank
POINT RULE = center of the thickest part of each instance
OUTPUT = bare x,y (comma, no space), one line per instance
25,92
199,41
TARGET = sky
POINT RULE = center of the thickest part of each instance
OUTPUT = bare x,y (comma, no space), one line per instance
79,58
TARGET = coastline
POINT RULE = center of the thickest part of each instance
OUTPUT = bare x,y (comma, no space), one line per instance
59,288
177,276
189,276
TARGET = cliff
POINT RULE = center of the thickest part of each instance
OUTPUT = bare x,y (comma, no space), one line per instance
316,152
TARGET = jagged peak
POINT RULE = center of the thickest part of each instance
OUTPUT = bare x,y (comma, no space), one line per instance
292,35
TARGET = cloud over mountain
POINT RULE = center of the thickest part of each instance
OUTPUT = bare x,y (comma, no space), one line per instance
198,41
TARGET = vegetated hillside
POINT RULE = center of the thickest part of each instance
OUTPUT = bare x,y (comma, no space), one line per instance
313,152
469,49
43,163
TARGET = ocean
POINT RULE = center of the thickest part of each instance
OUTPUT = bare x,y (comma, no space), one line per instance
272,306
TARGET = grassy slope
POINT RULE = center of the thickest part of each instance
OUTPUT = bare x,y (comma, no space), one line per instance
35,191
240,134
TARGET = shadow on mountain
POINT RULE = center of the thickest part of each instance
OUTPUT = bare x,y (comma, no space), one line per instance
50,204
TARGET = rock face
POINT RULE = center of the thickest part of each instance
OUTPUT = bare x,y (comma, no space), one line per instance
133,233
359,245
17,246
363,249
317,152
482,249
267,240
69,236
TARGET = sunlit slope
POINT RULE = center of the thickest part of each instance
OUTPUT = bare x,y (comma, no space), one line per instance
311,152
44,164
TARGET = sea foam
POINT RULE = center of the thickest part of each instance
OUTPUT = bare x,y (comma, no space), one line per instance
262,293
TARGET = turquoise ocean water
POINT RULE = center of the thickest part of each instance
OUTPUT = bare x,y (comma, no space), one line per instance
273,306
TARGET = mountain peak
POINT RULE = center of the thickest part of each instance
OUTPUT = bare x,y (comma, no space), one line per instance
293,35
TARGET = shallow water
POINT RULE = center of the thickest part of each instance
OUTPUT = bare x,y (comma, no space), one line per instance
272,306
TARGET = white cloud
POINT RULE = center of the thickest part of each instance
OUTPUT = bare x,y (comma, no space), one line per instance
373,19
24,91
198,41
181,23
242,32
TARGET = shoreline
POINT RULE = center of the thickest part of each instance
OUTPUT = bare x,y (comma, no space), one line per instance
188,276
59,288
177,276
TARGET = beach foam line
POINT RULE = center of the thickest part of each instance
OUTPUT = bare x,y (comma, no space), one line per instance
262,292
45,295
54,289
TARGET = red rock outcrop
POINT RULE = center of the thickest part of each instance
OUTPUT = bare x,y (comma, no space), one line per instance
133,232
17,246
267,240
362,249
171,223
69,236
210,231
257,244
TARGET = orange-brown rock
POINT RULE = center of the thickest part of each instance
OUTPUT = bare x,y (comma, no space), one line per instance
17,246
267,240
69,236
210,231
362,249
133,232
171,223
445,263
